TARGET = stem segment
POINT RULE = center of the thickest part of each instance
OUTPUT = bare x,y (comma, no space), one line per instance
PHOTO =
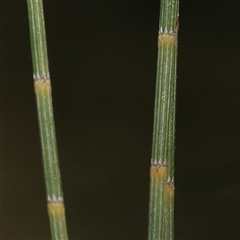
43,93
161,208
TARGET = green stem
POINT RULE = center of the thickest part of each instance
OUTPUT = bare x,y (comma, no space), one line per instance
162,188
43,93
38,39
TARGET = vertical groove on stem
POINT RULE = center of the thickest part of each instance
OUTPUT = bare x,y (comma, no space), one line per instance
42,86
161,207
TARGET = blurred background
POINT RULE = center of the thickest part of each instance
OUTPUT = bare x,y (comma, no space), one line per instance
102,57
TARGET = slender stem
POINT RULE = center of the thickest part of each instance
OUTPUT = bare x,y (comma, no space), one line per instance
162,185
43,93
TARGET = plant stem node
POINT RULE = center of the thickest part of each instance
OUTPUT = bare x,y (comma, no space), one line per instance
158,172
42,85
167,39
55,208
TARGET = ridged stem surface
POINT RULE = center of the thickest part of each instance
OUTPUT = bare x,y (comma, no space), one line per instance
42,86
161,207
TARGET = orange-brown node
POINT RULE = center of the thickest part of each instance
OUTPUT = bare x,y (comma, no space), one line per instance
170,190
158,172
55,208
167,39
42,85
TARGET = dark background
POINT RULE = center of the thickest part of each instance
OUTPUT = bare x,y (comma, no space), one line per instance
102,58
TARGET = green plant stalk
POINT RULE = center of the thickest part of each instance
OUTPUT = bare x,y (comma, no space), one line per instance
161,206
42,86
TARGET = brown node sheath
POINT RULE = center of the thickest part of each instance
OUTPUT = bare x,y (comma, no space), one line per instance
167,39
42,85
170,189
56,208
158,172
